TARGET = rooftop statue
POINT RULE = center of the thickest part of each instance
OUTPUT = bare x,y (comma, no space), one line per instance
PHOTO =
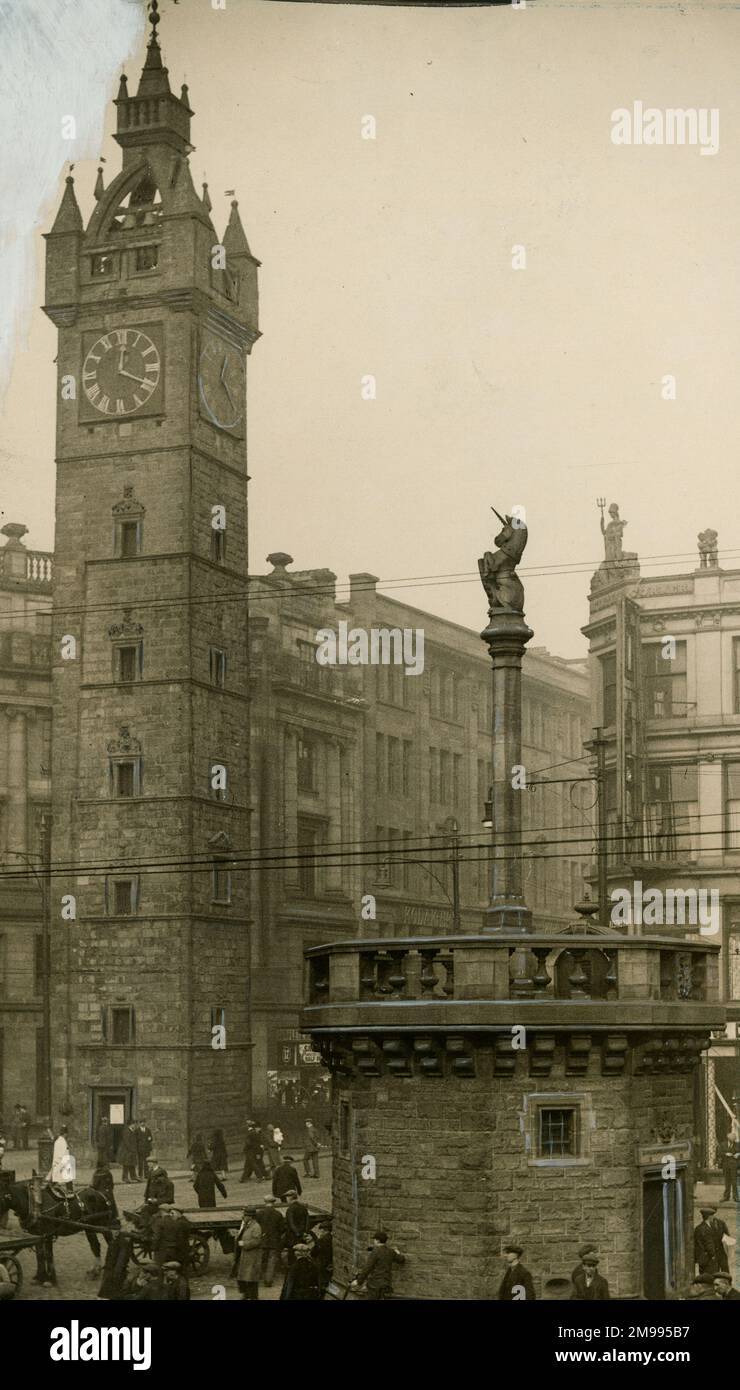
497,568
612,531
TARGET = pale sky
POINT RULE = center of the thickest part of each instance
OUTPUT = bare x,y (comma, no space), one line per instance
539,387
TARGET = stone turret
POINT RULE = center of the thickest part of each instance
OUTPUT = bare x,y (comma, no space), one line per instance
514,1086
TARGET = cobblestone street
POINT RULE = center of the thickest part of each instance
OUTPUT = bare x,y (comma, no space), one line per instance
74,1260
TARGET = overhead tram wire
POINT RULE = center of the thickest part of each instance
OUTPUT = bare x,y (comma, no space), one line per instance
372,858
303,590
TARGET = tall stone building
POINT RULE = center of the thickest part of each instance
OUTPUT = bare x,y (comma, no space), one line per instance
360,774
150,920
665,661
25,821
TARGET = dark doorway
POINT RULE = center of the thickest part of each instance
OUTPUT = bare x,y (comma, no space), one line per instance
116,1104
663,1235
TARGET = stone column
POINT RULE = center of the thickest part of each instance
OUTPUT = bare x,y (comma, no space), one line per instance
334,806
290,804
17,803
506,637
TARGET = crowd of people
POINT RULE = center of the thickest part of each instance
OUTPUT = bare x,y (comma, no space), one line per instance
586,1284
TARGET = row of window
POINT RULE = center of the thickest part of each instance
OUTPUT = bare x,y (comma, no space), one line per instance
106,265
665,687
123,891
118,1023
128,540
671,812
128,664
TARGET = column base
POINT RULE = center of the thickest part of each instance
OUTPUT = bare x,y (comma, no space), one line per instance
510,918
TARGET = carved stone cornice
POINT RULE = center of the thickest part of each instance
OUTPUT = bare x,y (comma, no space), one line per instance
448,1054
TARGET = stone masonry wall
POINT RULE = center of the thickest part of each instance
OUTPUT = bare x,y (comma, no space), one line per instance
454,1182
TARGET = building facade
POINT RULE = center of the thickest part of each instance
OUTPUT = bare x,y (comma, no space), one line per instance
156,315
665,658
369,788
25,821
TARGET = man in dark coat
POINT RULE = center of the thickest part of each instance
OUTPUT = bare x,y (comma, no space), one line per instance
272,1224
159,1188
582,1250
104,1141
205,1183
323,1253
253,1154
723,1288
709,1251
310,1152
589,1286
517,1282
127,1155
171,1237
144,1146
285,1179
302,1279
297,1223
377,1272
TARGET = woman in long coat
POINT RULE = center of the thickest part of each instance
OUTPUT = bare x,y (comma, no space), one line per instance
205,1183
217,1150
249,1243
197,1151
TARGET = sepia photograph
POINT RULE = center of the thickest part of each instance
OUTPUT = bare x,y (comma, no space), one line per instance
370,666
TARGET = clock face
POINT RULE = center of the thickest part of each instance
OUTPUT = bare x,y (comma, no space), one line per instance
221,382
121,371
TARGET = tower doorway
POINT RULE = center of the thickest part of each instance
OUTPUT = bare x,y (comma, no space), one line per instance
663,1235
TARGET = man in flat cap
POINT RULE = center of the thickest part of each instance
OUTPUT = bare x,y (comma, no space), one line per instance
517,1283
590,1286
722,1284
587,1249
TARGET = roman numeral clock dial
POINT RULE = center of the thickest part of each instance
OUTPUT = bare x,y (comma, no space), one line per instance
121,374
221,383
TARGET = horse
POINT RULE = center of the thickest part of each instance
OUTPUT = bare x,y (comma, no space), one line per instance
46,1209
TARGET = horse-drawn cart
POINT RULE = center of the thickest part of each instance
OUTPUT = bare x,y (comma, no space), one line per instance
209,1223
212,1223
10,1248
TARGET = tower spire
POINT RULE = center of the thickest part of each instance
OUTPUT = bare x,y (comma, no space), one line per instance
154,80
154,17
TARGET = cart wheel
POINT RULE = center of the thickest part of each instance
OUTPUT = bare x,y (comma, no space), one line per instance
199,1255
14,1270
140,1253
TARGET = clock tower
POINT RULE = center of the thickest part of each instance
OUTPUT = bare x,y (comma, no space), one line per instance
156,317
